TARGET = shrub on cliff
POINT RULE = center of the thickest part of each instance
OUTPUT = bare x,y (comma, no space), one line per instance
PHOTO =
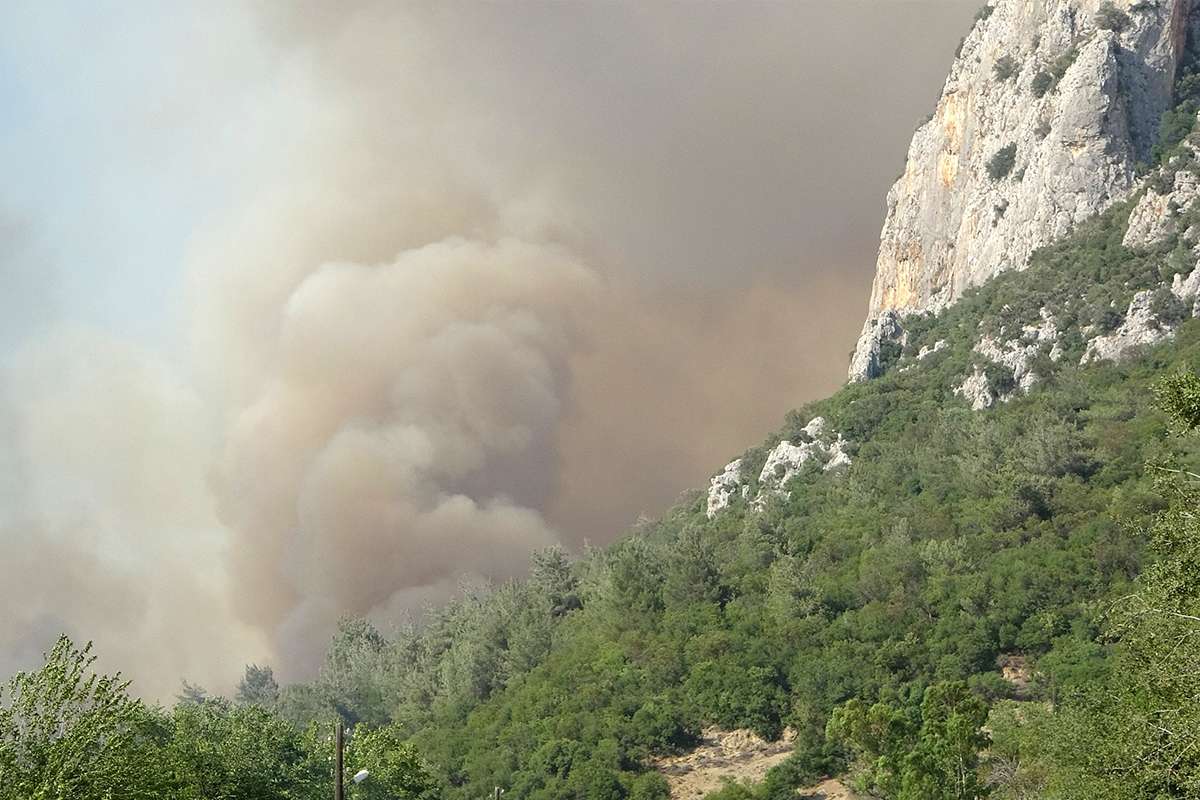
1005,68
1001,164
1045,81
1111,18
1042,83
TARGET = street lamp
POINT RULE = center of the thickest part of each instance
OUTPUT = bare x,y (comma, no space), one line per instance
339,789
339,748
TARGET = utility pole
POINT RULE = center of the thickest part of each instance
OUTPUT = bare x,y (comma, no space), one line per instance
339,746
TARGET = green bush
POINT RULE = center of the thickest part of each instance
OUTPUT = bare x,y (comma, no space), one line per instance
1180,120
1174,127
649,786
1135,730
1047,80
1063,63
925,751
733,791
215,749
1002,162
889,354
1167,308
1005,68
68,732
1108,319
396,769
1042,83
1000,378
1111,18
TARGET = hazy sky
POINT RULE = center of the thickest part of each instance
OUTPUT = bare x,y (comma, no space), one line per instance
310,309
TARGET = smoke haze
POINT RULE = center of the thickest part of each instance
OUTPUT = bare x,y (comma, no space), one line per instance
451,283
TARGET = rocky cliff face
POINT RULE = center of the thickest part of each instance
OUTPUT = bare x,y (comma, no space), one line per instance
1072,133
816,445
1049,107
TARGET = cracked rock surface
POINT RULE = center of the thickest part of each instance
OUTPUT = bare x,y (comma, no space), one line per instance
954,218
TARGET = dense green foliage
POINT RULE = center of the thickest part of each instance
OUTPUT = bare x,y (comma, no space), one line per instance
258,687
212,749
394,765
926,753
1134,731
68,733
954,539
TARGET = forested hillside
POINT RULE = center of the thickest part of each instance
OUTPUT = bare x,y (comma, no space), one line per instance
956,539
869,607
974,574
954,542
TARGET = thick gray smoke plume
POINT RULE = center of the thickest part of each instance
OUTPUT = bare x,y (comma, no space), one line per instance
403,435
106,522
477,278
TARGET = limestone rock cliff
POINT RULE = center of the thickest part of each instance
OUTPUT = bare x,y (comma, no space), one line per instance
1146,323
816,445
1049,107
725,487
1156,215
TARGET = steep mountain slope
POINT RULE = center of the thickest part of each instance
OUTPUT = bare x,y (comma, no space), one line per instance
1048,110
1124,281
955,538
967,509
953,541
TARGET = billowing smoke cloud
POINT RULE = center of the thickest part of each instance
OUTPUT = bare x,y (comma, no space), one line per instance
106,520
404,435
468,280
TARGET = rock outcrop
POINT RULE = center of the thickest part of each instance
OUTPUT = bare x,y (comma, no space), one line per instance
1040,125
1018,356
725,487
785,462
978,391
1156,216
816,444
1187,289
928,351
1141,328
867,361
1006,366
1151,318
